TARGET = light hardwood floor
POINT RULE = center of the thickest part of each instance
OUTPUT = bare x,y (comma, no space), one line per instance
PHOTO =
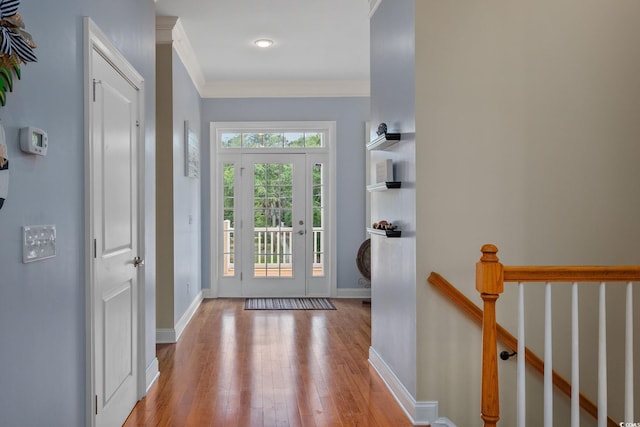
235,367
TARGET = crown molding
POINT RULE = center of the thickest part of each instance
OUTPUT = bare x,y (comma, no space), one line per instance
373,6
286,89
169,30
164,29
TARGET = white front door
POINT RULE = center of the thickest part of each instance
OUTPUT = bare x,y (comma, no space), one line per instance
114,145
275,230
273,204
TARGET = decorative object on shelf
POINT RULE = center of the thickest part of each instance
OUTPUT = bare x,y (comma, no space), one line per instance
384,171
16,46
191,152
386,233
384,228
4,168
382,129
384,225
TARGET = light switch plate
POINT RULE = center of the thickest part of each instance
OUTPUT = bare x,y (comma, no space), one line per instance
38,242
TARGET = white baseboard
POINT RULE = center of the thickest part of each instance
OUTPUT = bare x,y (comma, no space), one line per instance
172,335
443,422
208,294
188,314
165,336
419,413
152,373
353,293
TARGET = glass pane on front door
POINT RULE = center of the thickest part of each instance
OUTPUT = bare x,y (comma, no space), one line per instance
318,208
228,220
272,220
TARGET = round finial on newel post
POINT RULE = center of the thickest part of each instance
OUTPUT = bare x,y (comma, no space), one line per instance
489,271
489,252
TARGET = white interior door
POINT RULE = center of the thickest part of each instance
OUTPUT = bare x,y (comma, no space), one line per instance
274,225
115,217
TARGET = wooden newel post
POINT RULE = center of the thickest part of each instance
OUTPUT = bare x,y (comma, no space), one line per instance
490,284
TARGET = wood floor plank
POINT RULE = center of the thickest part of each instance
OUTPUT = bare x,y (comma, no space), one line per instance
246,368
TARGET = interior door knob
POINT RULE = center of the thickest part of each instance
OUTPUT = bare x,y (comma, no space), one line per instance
137,261
301,232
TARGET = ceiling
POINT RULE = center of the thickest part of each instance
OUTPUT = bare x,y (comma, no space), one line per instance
321,47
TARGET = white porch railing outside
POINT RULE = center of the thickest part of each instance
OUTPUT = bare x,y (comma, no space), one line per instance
273,247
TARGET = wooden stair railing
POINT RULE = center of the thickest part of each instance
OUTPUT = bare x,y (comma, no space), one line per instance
511,342
490,278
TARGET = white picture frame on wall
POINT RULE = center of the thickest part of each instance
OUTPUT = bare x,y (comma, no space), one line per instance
191,152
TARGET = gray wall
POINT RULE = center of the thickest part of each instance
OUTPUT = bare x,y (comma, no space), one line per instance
350,115
187,234
42,305
393,261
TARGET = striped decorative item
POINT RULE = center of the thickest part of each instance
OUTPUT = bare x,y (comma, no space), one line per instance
288,304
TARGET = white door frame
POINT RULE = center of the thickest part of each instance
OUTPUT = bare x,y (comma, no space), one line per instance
215,187
95,40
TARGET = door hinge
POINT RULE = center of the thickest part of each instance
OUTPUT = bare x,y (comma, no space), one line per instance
137,123
95,248
241,275
96,404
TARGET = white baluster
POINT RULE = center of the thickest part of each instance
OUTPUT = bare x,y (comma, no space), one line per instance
271,247
628,359
521,359
548,356
575,359
602,360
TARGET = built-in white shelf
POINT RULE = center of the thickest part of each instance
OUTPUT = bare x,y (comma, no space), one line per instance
385,233
384,141
382,186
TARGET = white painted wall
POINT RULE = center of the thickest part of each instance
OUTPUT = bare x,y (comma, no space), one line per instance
527,136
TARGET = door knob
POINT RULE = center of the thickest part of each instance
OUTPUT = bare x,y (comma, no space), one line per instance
137,261
301,232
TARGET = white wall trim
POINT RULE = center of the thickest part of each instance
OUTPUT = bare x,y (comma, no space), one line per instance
164,29
209,294
443,422
172,335
353,292
419,413
169,30
152,373
231,286
286,89
373,6
166,336
188,315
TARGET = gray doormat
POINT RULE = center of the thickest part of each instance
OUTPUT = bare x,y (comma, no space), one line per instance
288,304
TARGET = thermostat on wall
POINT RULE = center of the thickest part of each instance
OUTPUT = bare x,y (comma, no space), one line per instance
33,140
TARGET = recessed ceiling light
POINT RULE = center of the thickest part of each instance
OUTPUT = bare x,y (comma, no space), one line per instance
263,42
